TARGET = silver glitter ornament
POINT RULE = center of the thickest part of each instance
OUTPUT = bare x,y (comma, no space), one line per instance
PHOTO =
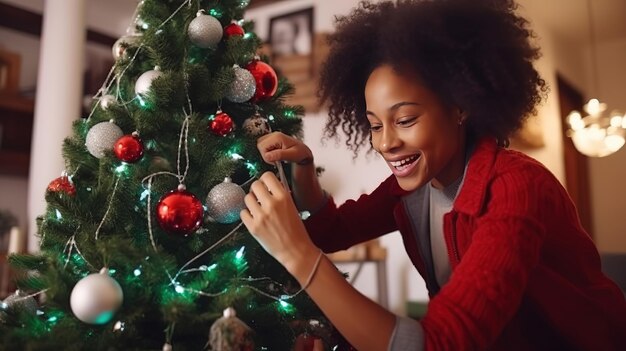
225,201
107,101
243,87
121,45
205,31
96,298
144,82
101,138
16,303
256,126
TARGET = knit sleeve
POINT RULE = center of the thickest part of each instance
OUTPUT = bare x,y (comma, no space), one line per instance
335,228
486,287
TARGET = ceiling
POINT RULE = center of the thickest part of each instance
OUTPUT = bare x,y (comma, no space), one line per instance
567,19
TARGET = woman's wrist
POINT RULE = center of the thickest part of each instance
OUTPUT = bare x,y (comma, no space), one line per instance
302,264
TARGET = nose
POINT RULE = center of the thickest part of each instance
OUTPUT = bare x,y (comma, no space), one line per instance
388,140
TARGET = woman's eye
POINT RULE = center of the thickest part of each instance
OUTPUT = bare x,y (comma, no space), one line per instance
407,122
375,127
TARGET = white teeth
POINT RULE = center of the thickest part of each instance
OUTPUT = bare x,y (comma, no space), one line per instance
408,160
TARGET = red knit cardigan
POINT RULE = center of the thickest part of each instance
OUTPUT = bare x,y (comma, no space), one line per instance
525,275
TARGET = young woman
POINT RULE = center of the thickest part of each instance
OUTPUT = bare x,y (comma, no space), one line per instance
437,87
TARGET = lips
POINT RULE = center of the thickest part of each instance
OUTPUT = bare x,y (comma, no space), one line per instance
403,166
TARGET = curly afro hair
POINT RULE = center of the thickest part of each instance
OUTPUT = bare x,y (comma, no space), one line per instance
475,54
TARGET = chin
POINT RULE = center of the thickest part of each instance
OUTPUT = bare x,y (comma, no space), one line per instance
410,184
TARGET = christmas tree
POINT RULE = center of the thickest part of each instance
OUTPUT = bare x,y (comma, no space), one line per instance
141,243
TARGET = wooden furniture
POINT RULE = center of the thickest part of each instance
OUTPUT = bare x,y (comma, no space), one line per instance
11,242
368,252
16,119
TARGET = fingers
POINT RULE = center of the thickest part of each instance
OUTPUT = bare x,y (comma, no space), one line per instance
280,147
273,184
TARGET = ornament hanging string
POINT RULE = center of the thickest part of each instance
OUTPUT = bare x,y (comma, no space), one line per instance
149,201
71,245
108,209
278,164
184,138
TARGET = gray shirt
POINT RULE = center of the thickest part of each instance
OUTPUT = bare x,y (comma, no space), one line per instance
426,207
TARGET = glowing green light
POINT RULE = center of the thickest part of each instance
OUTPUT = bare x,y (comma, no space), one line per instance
247,36
236,156
4,305
112,271
137,272
121,169
215,13
150,144
285,306
104,318
143,103
271,117
252,169
144,195
53,319
290,114
212,267
239,254
58,213
179,289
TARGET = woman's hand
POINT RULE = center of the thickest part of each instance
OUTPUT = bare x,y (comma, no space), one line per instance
277,146
272,218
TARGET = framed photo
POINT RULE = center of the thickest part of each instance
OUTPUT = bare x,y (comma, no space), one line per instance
292,33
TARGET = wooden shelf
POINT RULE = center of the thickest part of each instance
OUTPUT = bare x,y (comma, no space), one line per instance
16,121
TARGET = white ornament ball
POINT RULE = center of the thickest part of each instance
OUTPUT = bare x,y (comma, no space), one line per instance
242,87
107,101
144,82
101,138
167,347
121,45
96,298
225,201
256,126
205,31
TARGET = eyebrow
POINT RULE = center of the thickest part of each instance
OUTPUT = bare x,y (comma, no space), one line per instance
395,107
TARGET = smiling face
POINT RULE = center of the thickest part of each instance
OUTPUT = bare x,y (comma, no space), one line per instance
419,137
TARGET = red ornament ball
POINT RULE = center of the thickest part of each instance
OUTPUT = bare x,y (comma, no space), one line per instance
233,29
63,184
128,148
222,124
179,212
266,79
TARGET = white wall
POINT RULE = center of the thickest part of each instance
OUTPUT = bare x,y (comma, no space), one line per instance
608,174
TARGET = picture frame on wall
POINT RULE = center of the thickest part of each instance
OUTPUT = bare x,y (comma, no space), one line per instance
292,33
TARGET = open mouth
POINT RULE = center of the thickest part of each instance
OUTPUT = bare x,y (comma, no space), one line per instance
404,164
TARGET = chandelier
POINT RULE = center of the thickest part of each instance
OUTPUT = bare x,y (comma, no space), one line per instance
597,133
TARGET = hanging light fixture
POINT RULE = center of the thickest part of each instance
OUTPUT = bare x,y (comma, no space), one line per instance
597,133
